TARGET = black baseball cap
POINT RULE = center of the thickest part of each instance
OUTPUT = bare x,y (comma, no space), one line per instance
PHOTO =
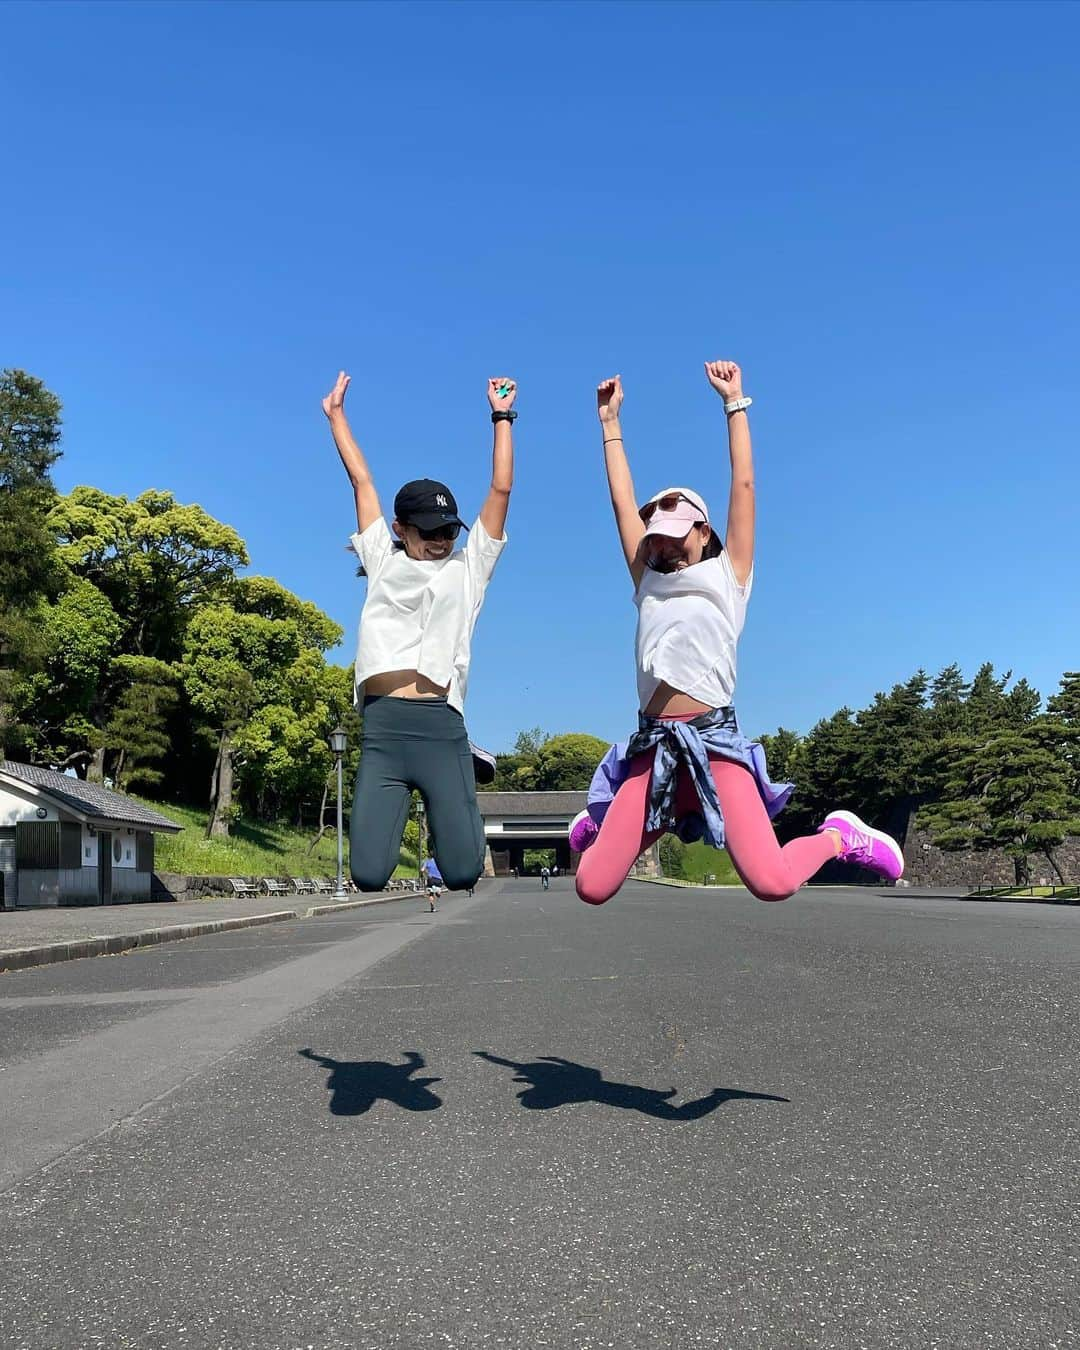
427,505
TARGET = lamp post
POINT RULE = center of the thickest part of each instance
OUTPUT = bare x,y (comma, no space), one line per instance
420,842
337,744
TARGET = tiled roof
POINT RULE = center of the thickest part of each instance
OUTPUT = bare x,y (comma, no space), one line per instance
531,803
88,799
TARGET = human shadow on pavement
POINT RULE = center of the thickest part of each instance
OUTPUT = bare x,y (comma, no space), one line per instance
356,1085
560,1082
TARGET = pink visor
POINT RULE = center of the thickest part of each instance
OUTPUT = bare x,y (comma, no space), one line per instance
673,514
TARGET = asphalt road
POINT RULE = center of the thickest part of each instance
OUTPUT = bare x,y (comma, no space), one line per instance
685,1119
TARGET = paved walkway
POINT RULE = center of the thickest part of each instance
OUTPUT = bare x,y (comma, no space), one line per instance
847,1122
31,937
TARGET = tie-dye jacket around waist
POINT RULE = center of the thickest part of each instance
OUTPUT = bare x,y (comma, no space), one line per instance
690,743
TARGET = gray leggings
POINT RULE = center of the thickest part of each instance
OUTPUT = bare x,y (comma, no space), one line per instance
422,744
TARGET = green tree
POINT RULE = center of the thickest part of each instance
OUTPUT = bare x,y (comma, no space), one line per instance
230,664
516,772
80,632
530,741
824,766
156,560
780,751
138,730
673,857
890,746
1064,706
568,762
1064,709
259,680
284,747
29,446
1010,788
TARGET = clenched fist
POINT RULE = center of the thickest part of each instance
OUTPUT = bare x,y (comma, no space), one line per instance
609,397
501,402
725,377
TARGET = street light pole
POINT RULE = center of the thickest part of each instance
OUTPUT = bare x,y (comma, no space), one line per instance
337,744
421,843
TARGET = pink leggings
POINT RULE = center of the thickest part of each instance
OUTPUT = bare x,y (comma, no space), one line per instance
769,871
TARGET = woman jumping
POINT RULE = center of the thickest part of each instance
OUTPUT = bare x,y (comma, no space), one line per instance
688,768
412,660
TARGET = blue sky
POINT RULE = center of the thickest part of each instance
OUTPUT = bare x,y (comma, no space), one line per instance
873,207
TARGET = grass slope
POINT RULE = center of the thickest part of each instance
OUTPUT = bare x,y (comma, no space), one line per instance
256,848
701,860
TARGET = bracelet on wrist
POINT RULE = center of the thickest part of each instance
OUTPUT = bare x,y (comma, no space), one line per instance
503,415
734,405
609,439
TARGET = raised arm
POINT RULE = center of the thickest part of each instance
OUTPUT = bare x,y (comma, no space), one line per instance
609,397
497,503
726,378
368,509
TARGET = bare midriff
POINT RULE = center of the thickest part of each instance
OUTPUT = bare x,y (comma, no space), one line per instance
402,684
669,702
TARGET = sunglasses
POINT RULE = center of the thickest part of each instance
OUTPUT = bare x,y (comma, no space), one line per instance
667,503
441,532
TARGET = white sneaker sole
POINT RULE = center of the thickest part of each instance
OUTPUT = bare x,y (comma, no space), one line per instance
890,843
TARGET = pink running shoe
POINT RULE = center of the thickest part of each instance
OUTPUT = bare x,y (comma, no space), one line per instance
865,847
583,831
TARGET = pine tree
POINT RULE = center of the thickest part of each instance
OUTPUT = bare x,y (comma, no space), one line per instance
29,446
1011,789
139,727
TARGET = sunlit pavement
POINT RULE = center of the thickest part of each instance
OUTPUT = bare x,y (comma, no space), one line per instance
686,1118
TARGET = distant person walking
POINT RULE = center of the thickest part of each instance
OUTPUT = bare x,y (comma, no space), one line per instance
433,882
545,878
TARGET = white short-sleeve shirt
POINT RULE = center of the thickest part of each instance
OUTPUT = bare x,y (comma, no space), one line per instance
688,630
421,615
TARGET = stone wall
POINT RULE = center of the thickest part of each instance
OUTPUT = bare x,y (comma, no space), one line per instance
931,866
927,865
174,886
648,865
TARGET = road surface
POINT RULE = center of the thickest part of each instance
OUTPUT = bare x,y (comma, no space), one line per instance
684,1119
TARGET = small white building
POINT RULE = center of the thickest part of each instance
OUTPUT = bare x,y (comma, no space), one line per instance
67,842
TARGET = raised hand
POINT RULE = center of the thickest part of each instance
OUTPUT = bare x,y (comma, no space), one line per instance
335,399
609,397
501,401
725,377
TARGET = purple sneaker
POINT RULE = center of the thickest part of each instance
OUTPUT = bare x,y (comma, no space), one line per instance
865,847
583,831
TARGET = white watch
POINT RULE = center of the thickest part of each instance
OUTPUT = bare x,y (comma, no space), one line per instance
737,405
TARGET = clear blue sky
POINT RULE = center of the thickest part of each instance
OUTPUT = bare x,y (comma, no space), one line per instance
873,207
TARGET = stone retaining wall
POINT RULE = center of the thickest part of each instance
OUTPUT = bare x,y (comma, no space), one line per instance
173,885
927,865
931,866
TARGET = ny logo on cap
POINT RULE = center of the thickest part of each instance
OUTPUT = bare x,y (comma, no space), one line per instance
440,500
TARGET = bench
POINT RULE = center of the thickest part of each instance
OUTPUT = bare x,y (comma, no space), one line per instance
324,885
242,887
305,886
276,886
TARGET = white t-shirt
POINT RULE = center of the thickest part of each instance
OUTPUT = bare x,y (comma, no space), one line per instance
421,615
688,629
